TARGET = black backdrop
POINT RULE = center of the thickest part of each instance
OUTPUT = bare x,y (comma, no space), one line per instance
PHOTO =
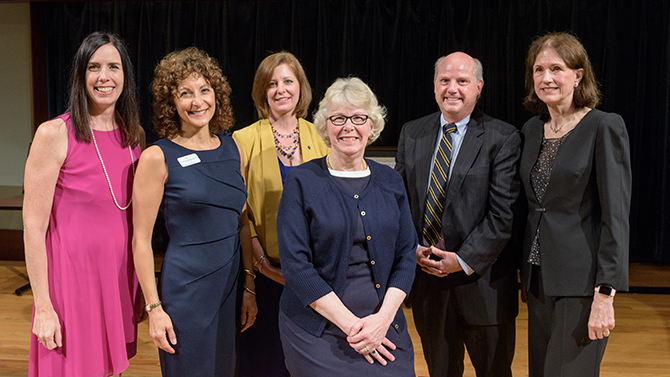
392,45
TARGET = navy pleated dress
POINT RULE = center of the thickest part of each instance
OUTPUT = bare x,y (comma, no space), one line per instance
202,203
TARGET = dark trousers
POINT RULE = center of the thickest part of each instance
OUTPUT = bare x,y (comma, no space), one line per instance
558,338
445,335
261,354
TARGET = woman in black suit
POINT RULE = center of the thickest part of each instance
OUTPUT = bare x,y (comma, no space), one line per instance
575,169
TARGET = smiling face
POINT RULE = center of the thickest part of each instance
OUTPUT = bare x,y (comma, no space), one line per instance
195,102
104,77
456,87
348,139
554,82
283,91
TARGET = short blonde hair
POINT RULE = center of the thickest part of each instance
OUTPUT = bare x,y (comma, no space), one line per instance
259,91
350,91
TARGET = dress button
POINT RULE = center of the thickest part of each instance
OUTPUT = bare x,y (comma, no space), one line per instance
362,213
356,196
377,286
369,238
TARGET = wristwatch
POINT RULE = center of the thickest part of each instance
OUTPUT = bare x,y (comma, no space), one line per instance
150,307
606,290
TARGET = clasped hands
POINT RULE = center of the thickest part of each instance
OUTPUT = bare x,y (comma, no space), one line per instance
368,337
437,262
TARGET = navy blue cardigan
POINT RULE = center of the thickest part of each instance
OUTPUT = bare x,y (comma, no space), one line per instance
316,224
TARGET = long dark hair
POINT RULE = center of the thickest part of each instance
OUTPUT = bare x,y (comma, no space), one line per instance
126,106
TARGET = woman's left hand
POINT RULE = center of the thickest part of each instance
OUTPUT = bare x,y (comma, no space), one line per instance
601,320
368,337
249,310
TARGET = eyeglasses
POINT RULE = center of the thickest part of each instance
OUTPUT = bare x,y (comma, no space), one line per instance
340,120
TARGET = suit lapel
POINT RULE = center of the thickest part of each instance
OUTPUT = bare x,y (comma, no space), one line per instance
425,146
467,154
576,140
532,144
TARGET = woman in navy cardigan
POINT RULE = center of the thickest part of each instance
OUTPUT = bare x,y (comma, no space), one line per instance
346,243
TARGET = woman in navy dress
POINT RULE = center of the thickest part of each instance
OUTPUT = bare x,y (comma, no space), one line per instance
347,247
194,176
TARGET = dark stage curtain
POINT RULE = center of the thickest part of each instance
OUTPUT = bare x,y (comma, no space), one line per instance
392,45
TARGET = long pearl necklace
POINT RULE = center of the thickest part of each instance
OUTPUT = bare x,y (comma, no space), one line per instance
132,163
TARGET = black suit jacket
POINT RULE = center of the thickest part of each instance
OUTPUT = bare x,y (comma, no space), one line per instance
478,216
583,217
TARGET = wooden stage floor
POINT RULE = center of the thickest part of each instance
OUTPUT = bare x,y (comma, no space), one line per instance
639,345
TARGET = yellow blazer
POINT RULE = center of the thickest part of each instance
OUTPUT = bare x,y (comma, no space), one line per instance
264,183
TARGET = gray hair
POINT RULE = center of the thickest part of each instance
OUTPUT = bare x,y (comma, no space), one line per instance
347,92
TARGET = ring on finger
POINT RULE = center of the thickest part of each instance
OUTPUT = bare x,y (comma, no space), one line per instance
366,349
374,352
606,332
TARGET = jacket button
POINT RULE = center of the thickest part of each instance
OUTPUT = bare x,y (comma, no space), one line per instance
369,238
396,326
356,196
377,286
362,213
372,262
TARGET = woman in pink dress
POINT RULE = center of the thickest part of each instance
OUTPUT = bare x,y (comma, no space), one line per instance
76,217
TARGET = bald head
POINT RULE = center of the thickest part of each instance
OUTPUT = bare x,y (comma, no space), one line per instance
458,83
478,69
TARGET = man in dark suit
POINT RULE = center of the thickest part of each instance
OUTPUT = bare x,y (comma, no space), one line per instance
465,293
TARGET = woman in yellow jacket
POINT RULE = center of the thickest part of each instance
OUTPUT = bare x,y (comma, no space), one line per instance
279,141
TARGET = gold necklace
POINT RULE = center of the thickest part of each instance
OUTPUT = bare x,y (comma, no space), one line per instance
556,129
551,127
132,163
365,164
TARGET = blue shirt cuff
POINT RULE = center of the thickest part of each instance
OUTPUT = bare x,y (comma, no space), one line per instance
468,271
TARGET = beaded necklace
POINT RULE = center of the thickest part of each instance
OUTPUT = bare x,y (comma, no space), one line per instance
132,163
287,150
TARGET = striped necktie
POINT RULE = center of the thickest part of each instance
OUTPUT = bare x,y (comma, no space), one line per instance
432,227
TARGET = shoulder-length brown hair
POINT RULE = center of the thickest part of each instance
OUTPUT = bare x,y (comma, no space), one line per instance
126,106
568,47
264,75
170,72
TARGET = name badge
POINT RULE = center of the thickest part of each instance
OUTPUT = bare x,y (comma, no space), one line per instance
188,160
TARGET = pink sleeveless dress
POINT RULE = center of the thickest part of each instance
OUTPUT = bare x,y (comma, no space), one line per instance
92,282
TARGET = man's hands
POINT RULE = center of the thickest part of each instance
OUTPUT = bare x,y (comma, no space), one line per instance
437,262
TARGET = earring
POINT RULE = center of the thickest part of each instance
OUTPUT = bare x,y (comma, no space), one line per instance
576,84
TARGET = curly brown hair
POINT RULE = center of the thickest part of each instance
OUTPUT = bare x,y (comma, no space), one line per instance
573,53
170,72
